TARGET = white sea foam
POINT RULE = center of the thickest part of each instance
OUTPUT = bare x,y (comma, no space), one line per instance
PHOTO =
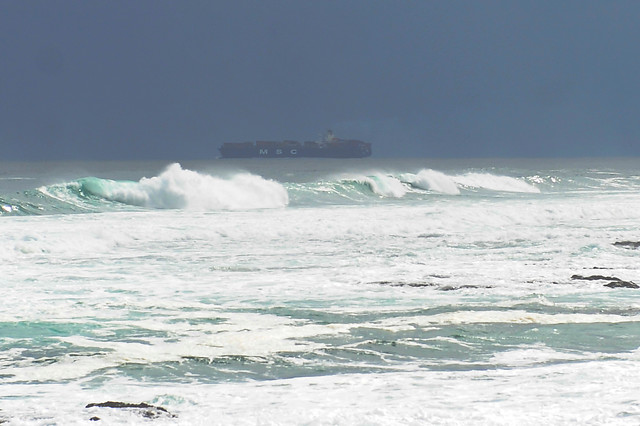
178,188
540,354
262,316
510,316
588,393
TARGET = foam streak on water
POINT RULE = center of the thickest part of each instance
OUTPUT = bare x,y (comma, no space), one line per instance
267,294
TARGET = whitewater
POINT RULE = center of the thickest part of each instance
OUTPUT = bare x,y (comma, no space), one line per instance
298,291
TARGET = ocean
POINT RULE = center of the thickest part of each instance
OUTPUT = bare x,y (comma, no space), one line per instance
320,292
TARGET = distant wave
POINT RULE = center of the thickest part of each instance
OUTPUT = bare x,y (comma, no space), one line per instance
451,184
380,186
393,186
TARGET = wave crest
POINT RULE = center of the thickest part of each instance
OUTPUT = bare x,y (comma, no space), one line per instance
383,185
495,183
432,180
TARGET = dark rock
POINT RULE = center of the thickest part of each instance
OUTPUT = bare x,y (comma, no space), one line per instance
614,282
145,410
627,244
622,284
94,418
430,235
415,285
451,287
594,278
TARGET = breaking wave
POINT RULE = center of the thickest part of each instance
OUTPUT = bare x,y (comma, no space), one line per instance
178,188
432,180
395,187
494,183
382,185
175,188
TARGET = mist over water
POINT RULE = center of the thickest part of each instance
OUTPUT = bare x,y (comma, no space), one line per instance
351,292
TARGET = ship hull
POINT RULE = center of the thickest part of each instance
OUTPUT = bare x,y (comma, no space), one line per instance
288,149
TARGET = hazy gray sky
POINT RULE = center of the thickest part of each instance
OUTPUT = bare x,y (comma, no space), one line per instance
160,79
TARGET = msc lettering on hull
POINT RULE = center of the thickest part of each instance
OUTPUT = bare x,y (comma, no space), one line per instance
278,152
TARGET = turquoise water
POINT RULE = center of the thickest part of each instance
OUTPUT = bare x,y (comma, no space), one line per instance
301,292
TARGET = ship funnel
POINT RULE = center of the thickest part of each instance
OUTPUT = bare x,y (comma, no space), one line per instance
330,136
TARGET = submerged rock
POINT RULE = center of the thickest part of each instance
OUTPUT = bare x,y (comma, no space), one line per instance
460,287
622,284
404,284
145,410
428,284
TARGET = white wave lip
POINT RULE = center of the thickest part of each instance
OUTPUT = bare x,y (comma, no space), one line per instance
382,185
494,183
178,188
432,180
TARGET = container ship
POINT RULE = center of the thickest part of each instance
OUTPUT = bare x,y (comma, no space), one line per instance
330,147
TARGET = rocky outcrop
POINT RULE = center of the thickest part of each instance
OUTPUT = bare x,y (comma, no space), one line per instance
627,244
145,410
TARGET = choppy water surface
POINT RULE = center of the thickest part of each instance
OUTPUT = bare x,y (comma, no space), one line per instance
336,292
